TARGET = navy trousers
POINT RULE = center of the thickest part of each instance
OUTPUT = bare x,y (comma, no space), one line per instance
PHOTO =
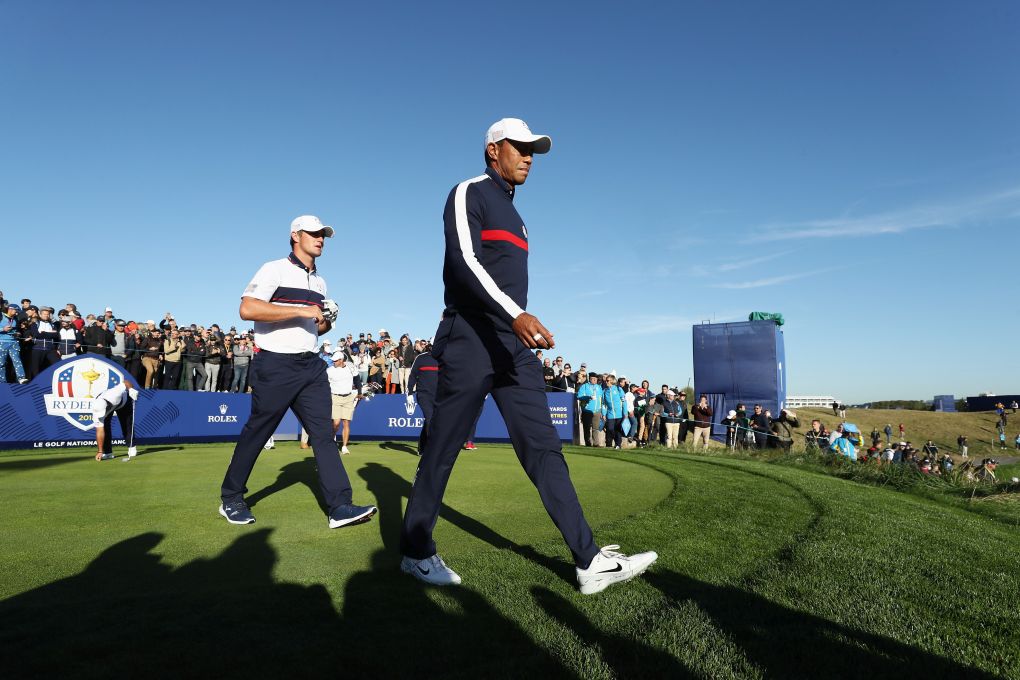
476,359
298,382
426,400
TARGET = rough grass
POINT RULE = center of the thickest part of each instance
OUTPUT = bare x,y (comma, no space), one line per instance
111,569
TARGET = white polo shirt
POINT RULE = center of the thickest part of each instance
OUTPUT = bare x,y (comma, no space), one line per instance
287,282
341,379
109,401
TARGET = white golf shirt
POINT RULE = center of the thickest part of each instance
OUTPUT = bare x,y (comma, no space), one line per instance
341,378
287,282
111,400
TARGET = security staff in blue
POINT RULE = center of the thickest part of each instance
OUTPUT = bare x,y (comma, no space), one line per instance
483,346
421,386
287,301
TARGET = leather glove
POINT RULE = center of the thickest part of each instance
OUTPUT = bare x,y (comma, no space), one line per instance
330,310
133,393
410,402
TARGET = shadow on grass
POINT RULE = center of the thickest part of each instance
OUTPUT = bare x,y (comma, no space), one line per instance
400,446
298,472
391,490
130,614
17,465
786,643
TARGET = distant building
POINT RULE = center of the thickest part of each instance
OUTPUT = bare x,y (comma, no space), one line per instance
810,402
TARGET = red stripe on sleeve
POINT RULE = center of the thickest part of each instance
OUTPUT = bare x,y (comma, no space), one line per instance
503,235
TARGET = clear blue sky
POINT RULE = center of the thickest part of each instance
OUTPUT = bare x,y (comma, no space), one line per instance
854,166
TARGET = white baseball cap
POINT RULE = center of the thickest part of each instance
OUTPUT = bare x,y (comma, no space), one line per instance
338,356
517,130
310,223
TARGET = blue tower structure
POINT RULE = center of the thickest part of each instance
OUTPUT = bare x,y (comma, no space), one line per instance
741,362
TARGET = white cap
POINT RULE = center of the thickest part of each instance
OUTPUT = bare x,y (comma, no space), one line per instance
108,310
338,356
670,393
327,343
517,130
381,331
151,322
310,223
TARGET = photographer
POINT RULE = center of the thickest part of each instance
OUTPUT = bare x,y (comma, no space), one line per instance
213,359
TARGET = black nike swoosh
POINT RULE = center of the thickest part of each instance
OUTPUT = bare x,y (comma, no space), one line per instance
425,572
619,567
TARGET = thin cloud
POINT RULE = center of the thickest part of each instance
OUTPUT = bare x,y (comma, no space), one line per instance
772,280
990,206
750,262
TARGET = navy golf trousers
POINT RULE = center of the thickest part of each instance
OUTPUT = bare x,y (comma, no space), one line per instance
476,359
298,382
126,416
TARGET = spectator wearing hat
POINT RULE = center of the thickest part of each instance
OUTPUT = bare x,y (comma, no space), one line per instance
45,334
343,386
671,417
590,396
9,346
96,336
118,343
108,320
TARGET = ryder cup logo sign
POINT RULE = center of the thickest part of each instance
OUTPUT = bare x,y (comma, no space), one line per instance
75,386
223,417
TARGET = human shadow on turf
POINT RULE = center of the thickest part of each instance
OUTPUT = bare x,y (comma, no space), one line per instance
788,643
128,613
298,472
390,490
400,446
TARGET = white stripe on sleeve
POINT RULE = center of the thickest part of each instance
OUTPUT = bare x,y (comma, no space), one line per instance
464,237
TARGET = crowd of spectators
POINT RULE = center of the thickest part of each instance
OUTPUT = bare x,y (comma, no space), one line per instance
612,410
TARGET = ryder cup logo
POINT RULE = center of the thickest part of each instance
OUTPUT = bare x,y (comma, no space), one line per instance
75,384
223,417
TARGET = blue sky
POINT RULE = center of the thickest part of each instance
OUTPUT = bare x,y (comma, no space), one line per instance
855,167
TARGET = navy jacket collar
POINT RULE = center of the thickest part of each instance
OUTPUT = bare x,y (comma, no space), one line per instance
500,182
298,263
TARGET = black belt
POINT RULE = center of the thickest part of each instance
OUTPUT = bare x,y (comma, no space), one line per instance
347,394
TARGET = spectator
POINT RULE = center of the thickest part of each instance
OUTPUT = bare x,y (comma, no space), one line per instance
108,321
653,415
71,340
118,343
566,382
1014,405
557,367
671,417
590,396
361,360
173,355
213,360
377,365
930,450
986,473
961,442
876,436
782,430
242,359
686,426
616,409
841,444
902,432
392,371
760,425
745,435
95,334
9,346
888,433
152,347
45,334
548,374
703,414
406,352
194,361
816,437
344,395
730,422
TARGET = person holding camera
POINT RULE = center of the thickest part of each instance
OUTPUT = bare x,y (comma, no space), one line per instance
173,349
242,358
702,414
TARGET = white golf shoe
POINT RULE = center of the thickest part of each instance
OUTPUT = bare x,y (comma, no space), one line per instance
611,567
430,570
344,450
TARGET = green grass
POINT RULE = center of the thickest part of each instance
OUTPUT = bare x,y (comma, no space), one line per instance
111,569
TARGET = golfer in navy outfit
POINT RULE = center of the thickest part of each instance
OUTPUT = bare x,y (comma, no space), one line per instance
483,346
287,301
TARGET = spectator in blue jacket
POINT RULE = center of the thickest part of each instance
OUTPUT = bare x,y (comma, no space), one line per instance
45,337
590,397
616,409
9,344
